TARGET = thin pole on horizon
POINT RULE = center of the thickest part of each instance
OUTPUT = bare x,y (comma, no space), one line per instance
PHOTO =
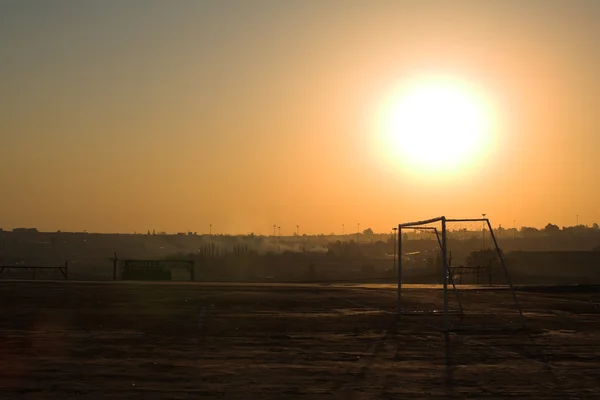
483,233
357,232
343,230
577,220
297,230
395,229
278,239
274,231
210,229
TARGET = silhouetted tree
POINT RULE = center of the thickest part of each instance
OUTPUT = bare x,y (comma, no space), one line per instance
528,231
551,229
500,231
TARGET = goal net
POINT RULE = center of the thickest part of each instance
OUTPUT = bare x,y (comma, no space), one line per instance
454,268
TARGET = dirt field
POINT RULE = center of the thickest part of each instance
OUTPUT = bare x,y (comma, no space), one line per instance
153,341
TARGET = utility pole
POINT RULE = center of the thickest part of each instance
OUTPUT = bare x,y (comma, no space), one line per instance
483,233
297,230
274,232
394,240
278,240
210,229
343,230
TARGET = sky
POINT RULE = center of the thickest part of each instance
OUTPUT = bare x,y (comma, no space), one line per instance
124,116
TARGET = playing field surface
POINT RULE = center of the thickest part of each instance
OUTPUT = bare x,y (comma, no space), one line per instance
125,340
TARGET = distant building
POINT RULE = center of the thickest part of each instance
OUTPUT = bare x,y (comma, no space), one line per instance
25,230
556,267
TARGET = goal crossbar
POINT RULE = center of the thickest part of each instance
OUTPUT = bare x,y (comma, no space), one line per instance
416,223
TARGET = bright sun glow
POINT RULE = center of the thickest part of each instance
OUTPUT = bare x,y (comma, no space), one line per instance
435,125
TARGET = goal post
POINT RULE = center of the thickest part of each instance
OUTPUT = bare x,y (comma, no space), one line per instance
436,226
425,255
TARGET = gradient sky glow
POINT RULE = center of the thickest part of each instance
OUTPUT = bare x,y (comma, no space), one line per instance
122,116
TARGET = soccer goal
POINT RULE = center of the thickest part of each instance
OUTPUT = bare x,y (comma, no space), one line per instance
453,268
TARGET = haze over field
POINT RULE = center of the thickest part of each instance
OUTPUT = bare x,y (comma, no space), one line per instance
127,116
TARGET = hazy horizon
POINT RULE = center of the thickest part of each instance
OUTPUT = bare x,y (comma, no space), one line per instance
128,116
292,230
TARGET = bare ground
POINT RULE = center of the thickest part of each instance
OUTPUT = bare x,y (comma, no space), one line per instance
178,341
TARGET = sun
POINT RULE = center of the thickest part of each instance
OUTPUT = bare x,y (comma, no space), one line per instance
435,125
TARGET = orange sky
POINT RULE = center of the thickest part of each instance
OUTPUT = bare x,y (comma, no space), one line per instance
128,116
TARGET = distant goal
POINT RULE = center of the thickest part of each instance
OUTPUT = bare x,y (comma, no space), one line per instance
155,270
445,264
